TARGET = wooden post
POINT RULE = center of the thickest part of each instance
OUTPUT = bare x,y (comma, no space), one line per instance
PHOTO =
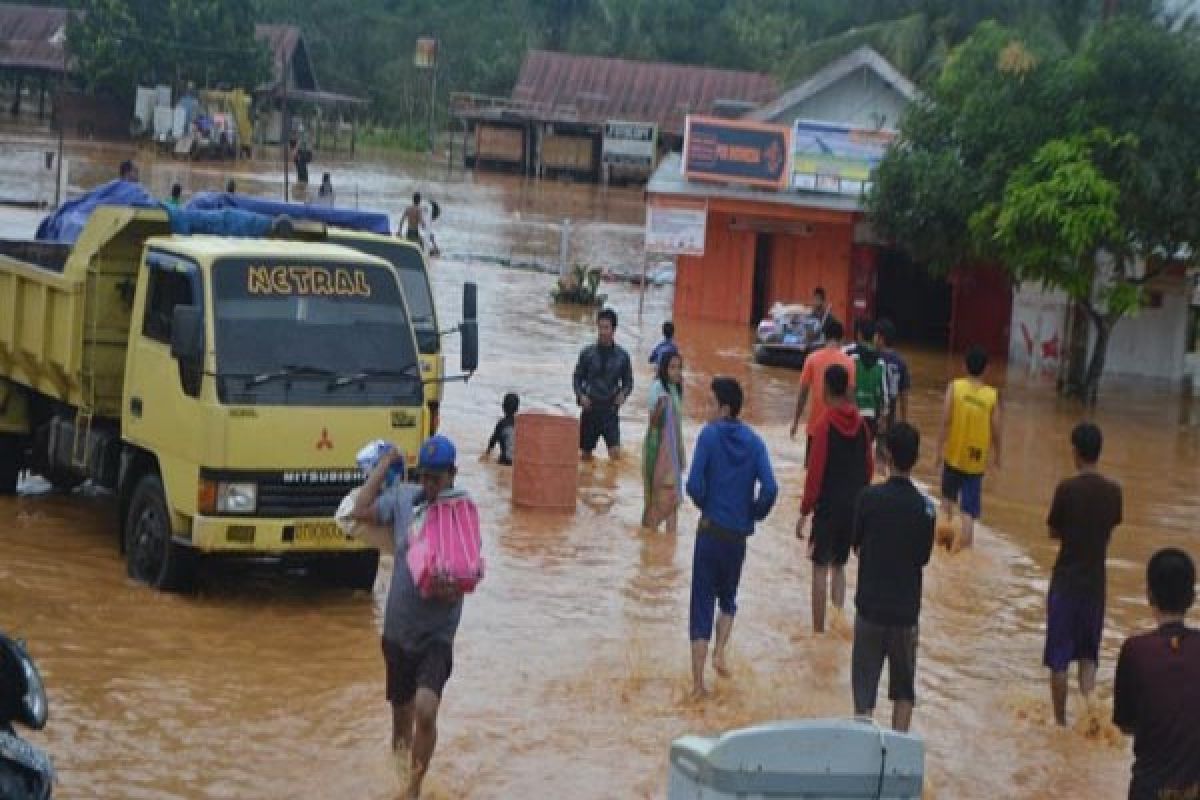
285,128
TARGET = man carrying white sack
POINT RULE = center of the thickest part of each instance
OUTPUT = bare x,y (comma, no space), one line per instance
418,632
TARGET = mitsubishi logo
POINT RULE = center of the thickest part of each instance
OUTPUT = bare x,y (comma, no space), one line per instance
324,443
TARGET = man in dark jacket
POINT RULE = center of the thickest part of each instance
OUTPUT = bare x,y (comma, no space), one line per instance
893,537
603,382
730,461
840,466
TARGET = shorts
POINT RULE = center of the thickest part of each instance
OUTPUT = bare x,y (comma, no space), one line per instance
409,670
964,488
716,573
1074,628
598,423
832,534
872,644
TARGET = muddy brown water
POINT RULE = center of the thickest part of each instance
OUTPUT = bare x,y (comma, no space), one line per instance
571,664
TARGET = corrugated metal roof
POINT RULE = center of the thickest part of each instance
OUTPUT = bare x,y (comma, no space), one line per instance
32,37
614,88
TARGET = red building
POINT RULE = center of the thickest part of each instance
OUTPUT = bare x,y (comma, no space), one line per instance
750,232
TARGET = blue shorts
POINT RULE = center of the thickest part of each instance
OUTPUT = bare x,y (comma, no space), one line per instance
1074,627
964,488
716,572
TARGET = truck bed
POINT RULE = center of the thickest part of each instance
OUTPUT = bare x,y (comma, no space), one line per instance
64,309
48,255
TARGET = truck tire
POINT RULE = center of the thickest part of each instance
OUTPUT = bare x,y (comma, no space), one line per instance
42,463
152,557
10,462
354,570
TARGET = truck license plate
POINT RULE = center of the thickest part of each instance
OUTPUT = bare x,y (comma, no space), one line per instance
322,532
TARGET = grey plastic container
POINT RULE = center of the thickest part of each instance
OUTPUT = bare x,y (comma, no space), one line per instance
819,759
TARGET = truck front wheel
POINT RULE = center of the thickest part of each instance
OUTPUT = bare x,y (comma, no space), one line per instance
152,557
10,462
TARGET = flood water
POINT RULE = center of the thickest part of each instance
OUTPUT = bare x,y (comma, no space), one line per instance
571,666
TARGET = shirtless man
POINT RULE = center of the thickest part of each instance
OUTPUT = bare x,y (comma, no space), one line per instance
413,221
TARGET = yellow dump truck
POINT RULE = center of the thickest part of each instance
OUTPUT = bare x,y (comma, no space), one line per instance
220,387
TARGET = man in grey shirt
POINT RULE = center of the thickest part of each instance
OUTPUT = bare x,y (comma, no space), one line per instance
418,632
603,381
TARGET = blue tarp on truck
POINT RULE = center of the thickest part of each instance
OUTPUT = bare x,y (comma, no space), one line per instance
369,221
66,223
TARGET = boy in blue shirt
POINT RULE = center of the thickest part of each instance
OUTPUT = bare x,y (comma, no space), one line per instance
730,461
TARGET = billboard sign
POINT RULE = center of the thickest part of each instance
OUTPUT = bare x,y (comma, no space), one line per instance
630,144
676,227
736,151
836,158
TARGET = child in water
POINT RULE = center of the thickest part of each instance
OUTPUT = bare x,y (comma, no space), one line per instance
506,430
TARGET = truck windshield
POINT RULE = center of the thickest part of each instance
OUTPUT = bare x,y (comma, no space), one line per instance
310,333
413,278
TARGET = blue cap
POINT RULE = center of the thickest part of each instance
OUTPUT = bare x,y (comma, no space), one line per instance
437,454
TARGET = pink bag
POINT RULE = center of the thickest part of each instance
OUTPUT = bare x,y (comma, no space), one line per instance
447,547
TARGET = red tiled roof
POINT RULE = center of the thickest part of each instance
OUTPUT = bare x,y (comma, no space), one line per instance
32,37
614,88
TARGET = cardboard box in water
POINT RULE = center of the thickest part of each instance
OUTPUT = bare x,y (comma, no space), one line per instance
546,461
812,759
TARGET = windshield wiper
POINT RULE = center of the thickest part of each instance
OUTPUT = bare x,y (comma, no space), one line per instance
413,371
289,371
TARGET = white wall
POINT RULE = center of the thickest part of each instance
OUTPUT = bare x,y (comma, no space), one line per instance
860,99
1037,337
1150,344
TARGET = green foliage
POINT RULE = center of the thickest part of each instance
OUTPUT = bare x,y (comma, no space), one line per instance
364,47
119,44
580,287
1045,158
1056,213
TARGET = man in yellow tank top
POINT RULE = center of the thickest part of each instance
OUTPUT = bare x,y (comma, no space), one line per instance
970,429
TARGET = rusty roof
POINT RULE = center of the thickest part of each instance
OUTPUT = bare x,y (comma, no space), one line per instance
286,43
32,38
614,88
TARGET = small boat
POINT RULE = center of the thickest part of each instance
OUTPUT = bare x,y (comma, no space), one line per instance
782,338
816,759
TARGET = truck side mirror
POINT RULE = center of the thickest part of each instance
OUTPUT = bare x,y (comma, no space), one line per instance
470,346
470,328
470,305
187,334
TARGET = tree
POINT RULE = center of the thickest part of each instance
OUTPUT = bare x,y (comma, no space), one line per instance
1047,160
119,44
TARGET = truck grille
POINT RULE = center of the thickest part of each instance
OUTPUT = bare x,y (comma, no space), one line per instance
279,499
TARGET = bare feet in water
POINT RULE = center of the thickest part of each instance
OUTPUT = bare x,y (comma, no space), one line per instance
721,665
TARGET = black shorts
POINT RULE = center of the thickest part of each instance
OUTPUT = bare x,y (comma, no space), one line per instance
872,644
831,538
409,670
596,423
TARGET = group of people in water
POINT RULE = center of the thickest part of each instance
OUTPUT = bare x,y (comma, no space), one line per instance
856,401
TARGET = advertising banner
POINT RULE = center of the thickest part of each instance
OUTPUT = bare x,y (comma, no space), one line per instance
630,144
736,151
836,158
677,227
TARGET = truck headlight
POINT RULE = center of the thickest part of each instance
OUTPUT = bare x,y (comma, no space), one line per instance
237,498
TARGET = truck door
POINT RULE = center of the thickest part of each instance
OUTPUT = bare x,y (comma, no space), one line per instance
162,411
